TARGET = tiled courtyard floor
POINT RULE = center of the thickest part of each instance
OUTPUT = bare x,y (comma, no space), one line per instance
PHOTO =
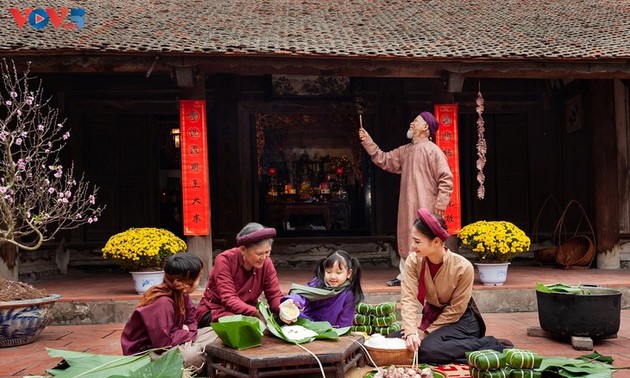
32,359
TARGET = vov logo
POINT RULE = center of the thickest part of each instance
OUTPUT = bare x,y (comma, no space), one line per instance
39,18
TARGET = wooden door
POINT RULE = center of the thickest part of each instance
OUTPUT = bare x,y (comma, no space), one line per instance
506,170
119,156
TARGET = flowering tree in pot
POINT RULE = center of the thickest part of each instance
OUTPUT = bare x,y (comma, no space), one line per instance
39,194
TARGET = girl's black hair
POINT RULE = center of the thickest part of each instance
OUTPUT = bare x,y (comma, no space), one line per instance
343,258
184,266
181,266
424,229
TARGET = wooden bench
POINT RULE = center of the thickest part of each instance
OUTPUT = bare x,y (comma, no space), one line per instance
306,251
276,357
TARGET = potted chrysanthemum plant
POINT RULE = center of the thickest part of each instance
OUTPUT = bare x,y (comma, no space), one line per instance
143,251
494,243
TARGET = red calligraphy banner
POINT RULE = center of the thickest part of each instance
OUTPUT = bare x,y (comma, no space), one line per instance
446,138
195,183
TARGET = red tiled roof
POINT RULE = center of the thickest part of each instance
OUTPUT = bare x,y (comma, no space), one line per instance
416,29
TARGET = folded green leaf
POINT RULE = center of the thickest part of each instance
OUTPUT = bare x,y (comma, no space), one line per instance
239,331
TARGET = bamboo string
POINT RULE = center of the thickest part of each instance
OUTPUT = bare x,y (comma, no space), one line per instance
321,368
366,353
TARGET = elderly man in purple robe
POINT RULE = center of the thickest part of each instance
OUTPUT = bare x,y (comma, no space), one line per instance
426,181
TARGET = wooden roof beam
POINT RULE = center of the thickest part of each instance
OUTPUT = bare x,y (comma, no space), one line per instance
351,66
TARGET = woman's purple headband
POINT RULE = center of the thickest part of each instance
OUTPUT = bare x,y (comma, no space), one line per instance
256,236
431,221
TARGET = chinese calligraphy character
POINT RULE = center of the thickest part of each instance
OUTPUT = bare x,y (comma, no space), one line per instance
446,135
194,133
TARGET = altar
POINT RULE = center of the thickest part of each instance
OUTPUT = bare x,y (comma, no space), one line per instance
310,174
327,215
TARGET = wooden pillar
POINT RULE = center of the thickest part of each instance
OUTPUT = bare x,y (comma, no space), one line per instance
605,173
193,87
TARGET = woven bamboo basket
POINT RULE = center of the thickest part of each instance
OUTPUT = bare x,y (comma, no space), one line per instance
545,254
576,252
384,357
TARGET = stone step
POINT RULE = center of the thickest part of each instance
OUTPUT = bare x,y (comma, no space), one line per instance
98,298
118,310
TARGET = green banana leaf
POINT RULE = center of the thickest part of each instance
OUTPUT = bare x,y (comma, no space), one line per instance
169,365
239,331
561,288
88,365
323,329
570,367
595,356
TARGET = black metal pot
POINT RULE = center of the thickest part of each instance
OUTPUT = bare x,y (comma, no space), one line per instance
595,316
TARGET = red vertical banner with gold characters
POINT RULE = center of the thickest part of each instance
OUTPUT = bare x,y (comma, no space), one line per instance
195,182
446,138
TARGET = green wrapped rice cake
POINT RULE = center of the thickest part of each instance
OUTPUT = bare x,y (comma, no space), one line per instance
496,373
522,359
487,359
525,373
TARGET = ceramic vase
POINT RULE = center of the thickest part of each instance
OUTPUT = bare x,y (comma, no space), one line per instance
144,280
22,321
492,274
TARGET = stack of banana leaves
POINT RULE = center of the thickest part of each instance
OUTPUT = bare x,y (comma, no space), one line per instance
562,288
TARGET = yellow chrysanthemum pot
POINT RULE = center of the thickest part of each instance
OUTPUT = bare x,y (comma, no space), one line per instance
494,243
143,251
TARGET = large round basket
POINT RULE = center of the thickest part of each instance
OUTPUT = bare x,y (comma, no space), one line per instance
576,252
384,357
